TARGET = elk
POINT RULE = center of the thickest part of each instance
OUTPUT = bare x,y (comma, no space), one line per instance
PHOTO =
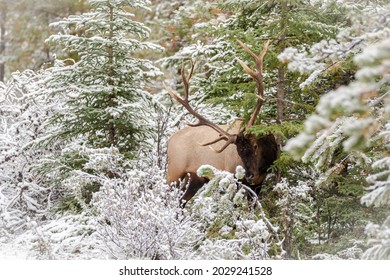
189,148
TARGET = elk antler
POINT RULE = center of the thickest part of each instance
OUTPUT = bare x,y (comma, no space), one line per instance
257,76
224,135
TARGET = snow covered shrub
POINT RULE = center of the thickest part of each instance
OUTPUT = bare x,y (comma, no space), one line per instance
140,217
23,124
295,212
127,209
232,220
80,169
352,253
69,236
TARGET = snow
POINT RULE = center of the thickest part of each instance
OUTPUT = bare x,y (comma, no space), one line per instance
11,249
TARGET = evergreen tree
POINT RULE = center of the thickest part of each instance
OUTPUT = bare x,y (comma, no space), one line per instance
104,82
352,121
286,23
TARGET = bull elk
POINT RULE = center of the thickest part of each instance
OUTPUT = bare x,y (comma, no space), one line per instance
189,148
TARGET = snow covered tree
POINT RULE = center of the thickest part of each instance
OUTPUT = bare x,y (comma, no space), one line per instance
83,143
353,118
176,23
104,83
254,22
221,79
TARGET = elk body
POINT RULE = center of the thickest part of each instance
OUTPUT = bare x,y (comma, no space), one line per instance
222,146
185,156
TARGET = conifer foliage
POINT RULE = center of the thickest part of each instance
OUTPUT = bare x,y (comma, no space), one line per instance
102,80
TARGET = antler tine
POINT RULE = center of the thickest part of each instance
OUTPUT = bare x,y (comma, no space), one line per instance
223,137
257,76
230,138
186,78
260,56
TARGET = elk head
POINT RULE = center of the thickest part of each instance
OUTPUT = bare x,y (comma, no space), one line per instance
255,154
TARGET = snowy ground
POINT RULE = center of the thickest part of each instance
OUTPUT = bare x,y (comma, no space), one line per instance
64,238
12,249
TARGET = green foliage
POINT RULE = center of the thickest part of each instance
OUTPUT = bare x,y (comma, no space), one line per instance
286,129
284,163
68,204
104,89
286,24
307,208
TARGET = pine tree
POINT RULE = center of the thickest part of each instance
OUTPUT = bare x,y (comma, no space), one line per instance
104,81
352,121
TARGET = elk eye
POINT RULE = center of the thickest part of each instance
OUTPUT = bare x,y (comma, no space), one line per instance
255,146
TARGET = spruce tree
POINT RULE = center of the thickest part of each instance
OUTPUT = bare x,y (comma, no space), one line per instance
104,80
346,139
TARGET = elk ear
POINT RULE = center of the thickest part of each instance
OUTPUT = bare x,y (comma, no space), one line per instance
242,140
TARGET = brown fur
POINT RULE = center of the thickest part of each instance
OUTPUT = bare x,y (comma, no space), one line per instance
186,155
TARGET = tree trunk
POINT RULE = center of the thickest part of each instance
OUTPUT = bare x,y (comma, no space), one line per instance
111,96
280,93
281,69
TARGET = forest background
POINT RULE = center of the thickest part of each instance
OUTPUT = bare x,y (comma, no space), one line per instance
85,121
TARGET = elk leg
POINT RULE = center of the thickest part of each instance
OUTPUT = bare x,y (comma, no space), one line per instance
195,183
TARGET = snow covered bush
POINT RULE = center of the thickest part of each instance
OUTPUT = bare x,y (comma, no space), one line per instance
140,218
133,213
24,118
63,237
232,220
